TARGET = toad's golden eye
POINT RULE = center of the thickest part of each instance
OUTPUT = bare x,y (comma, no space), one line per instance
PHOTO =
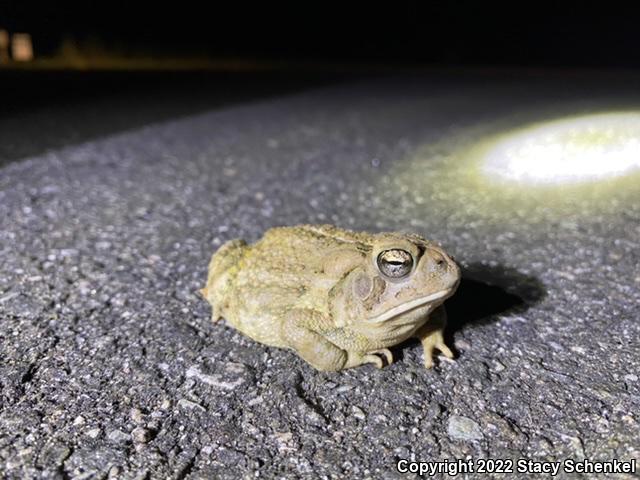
395,263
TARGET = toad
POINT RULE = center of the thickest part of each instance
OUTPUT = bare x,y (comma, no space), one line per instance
338,298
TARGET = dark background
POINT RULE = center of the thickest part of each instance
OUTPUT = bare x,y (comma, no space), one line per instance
527,33
250,50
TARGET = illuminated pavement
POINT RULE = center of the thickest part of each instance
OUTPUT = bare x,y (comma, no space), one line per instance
109,363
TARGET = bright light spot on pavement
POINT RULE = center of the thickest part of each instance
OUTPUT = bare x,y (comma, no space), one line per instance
573,150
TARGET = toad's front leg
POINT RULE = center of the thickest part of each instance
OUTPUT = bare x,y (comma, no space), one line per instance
431,337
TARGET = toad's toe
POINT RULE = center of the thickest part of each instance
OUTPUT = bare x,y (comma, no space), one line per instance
387,354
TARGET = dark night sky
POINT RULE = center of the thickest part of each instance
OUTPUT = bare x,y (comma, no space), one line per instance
445,32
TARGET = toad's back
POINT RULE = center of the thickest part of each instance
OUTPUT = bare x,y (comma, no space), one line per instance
253,286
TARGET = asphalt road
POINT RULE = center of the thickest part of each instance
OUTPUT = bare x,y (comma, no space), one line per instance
110,210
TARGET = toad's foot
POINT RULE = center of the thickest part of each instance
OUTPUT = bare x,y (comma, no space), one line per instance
356,358
387,354
434,340
430,335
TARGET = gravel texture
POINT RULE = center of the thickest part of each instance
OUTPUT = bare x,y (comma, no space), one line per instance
111,368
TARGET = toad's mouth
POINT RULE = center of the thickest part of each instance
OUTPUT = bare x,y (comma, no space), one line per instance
411,305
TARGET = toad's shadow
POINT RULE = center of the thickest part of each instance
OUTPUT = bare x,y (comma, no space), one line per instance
485,294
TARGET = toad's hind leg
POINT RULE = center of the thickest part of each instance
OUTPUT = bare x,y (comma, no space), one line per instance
300,331
386,353
431,336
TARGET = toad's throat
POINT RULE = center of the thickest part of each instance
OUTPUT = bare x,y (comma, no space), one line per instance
411,305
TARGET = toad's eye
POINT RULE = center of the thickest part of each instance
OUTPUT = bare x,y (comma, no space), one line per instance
395,263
